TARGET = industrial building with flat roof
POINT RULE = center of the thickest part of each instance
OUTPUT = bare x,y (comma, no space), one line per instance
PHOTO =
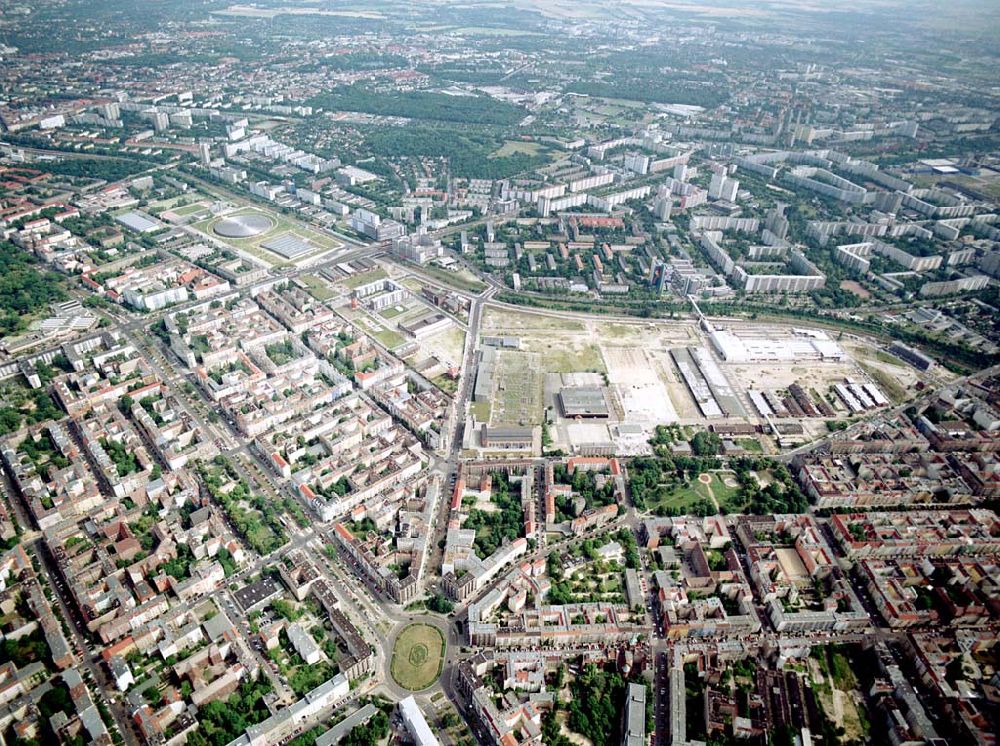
425,325
288,245
508,436
917,359
488,360
756,348
583,401
140,222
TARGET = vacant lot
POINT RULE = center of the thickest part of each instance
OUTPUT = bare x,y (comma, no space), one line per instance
640,385
390,339
501,320
574,357
836,688
447,346
629,357
417,656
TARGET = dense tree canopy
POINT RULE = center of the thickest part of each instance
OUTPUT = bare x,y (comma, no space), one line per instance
110,169
598,697
467,150
504,524
655,91
421,105
705,443
221,721
25,288
370,733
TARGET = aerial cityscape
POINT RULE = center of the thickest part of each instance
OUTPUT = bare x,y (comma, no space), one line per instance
565,372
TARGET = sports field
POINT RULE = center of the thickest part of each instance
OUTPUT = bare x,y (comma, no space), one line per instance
417,657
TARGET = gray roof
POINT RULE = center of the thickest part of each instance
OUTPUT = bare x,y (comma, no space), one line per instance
249,596
117,665
200,515
635,723
302,641
217,626
583,401
140,222
288,245
345,726
502,432
92,721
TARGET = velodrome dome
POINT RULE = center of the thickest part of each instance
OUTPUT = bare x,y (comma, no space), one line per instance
243,226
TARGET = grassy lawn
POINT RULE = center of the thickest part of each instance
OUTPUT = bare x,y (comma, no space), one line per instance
701,490
680,497
840,669
389,338
409,314
750,444
684,496
417,657
594,588
391,313
481,410
189,209
355,281
723,493
512,147
461,279
317,288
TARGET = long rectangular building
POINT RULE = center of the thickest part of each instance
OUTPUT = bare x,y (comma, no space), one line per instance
696,383
416,723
